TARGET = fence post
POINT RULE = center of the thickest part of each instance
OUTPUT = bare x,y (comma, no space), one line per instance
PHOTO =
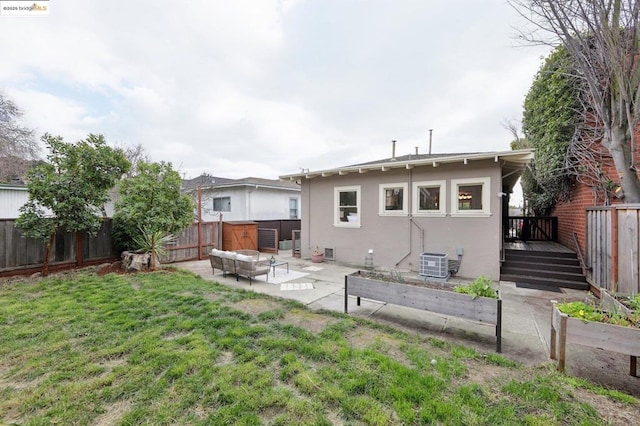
79,258
199,223
614,249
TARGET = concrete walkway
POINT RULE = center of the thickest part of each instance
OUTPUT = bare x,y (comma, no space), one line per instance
526,317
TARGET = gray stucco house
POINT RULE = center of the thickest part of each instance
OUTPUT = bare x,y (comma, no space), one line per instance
404,206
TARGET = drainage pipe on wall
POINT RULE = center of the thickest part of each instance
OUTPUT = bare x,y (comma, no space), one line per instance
411,221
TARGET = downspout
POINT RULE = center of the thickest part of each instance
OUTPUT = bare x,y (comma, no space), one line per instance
308,216
248,206
411,221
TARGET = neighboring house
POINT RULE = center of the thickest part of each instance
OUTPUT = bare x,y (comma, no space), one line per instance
403,206
12,197
245,199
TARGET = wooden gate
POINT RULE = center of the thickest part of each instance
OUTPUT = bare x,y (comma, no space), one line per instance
613,247
268,240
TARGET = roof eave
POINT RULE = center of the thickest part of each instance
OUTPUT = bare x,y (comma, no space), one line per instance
521,156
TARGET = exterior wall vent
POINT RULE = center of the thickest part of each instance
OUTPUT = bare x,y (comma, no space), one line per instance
330,253
434,265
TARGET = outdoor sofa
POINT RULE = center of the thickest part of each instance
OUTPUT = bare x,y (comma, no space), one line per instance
241,263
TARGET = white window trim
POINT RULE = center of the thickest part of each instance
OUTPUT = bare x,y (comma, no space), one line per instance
405,199
486,197
442,211
221,198
297,200
336,206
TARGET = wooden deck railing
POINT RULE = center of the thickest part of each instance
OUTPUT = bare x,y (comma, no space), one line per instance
531,228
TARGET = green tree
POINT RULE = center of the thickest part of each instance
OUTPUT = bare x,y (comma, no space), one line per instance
70,189
551,120
603,40
150,203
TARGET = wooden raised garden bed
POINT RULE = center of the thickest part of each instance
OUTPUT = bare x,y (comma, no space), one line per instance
612,302
615,338
419,295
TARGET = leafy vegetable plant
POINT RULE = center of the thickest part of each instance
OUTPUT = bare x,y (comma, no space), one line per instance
481,287
588,312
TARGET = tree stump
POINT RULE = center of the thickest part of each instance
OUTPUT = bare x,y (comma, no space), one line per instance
136,261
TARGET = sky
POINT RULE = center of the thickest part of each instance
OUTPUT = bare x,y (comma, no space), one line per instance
264,88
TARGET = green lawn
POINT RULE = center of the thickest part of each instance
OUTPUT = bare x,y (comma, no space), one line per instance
172,348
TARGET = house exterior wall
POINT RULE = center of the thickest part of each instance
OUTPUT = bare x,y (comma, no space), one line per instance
11,199
249,203
270,204
397,240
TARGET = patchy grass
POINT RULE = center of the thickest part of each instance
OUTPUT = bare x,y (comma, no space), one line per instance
171,348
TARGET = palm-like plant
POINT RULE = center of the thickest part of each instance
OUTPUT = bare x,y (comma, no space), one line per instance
154,243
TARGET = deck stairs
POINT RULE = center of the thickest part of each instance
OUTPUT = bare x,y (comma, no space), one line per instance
545,268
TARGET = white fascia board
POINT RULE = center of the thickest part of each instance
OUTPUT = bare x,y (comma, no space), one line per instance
520,156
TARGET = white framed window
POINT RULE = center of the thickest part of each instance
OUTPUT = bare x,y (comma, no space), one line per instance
293,208
430,198
393,199
346,201
471,197
222,204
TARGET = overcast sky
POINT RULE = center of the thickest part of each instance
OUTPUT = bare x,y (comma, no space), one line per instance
265,87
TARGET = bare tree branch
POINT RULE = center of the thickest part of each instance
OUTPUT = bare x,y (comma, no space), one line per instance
602,37
18,147
135,154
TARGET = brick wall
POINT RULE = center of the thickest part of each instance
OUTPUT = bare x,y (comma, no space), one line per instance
572,215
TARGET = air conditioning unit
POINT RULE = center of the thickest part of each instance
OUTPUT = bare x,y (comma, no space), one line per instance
434,265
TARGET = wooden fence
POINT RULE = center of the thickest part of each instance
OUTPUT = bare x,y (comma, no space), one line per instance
21,255
284,227
268,240
271,232
613,248
25,255
195,242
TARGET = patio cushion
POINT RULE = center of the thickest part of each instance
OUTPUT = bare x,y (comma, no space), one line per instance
244,258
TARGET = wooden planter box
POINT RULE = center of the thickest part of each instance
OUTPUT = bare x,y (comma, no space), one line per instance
480,309
615,338
611,304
